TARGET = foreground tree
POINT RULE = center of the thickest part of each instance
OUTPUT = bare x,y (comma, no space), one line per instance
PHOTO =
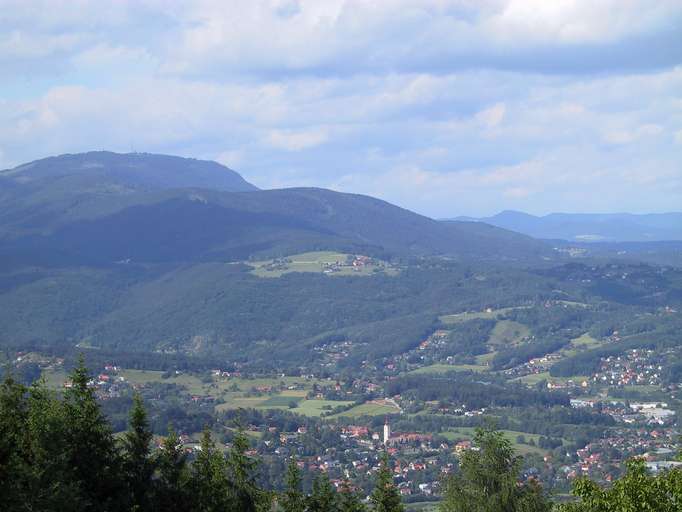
245,494
13,468
349,501
172,485
488,480
53,482
61,455
292,499
636,491
90,447
138,464
209,481
323,497
385,497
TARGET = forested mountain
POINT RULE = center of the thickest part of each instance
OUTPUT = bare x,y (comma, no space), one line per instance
130,172
177,278
587,227
152,252
98,208
42,195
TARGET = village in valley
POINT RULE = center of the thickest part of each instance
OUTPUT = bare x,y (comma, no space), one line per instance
338,422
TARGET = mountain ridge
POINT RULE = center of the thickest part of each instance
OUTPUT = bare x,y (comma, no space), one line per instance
94,209
141,169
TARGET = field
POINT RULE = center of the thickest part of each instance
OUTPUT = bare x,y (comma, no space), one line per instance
367,409
584,342
444,368
512,435
533,379
317,407
425,506
236,392
507,332
487,314
328,262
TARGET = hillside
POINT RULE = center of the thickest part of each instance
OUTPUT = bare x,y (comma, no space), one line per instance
131,171
100,208
585,227
44,194
149,251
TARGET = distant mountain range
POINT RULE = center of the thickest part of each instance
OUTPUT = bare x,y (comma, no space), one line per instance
101,207
589,227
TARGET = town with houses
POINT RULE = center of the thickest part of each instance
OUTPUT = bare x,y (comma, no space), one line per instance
341,429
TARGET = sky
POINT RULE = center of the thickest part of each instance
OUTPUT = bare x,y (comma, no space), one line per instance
445,107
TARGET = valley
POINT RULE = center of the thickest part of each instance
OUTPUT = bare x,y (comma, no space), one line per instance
314,319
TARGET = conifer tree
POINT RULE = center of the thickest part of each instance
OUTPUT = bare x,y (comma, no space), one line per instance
323,497
209,481
293,499
173,480
138,462
245,494
385,497
488,480
90,445
53,483
14,471
349,500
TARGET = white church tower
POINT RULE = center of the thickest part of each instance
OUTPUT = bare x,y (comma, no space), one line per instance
387,432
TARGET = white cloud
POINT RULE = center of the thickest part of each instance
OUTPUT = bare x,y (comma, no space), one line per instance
629,136
106,57
22,45
230,159
492,116
576,21
296,140
445,106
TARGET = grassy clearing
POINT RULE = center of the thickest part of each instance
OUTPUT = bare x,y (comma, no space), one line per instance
294,393
484,359
579,344
263,382
444,368
280,401
317,407
508,332
471,315
586,341
317,262
512,435
235,392
424,506
533,379
191,383
573,303
367,409
241,402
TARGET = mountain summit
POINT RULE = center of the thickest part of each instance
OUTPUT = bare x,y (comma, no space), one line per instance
136,171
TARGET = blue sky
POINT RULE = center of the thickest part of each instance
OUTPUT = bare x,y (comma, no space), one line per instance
446,107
